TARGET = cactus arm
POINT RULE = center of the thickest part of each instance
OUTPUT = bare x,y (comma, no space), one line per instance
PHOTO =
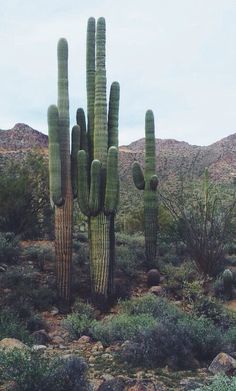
54,157
153,182
112,183
113,115
95,188
150,146
80,120
74,150
138,176
100,106
83,188
90,82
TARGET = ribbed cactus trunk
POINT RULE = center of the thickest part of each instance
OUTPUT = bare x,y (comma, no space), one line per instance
148,182
98,181
60,175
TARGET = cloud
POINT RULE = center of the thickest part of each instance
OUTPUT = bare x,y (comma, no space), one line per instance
177,58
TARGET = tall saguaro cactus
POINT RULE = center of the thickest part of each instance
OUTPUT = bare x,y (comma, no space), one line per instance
98,180
148,182
60,172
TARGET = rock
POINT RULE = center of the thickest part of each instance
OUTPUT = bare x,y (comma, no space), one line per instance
58,340
223,363
39,348
144,385
41,337
112,385
84,339
153,277
54,311
157,290
97,347
107,377
7,290
190,384
12,343
2,269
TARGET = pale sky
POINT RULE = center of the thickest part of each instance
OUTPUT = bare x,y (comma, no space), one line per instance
176,57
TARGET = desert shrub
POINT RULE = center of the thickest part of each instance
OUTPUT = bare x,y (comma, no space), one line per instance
130,254
35,323
25,294
220,383
31,371
178,276
120,327
82,308
77,325
205,215
150,305
39,254
12,327
42,298
159,333
9,247
212,309
81,257
79,322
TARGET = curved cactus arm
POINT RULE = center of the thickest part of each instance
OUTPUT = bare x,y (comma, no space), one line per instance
95,188
90,82
75,147
138,176
112,182
80,120
83,188
154,182
113,115
54,157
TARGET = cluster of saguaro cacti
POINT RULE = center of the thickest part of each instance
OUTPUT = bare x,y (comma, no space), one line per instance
148,182
60,172
98,179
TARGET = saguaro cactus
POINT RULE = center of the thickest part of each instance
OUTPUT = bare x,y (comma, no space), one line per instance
148,182
60,172
98,180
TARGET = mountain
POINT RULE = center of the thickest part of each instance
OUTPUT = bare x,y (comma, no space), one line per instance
173,157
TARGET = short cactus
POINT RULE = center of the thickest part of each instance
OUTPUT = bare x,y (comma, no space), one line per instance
148,182
98,180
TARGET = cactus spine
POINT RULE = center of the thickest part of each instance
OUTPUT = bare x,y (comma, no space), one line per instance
98,181
148,182
60,166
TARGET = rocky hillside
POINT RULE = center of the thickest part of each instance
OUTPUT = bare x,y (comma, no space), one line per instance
173,157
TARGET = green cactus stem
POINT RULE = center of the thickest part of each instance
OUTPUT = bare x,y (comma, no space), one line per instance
148,182
98,181
61,164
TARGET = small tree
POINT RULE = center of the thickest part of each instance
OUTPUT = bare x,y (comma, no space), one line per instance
205,214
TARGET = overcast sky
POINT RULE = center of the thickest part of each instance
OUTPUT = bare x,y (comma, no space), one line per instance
176,57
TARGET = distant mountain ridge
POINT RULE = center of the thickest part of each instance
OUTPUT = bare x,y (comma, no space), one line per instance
173,157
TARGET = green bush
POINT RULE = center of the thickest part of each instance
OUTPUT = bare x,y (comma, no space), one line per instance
130,254
31,371
77,325
79,322
210,308
159,308
178,276
39,254
220,383
12,327
9,247
120,328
